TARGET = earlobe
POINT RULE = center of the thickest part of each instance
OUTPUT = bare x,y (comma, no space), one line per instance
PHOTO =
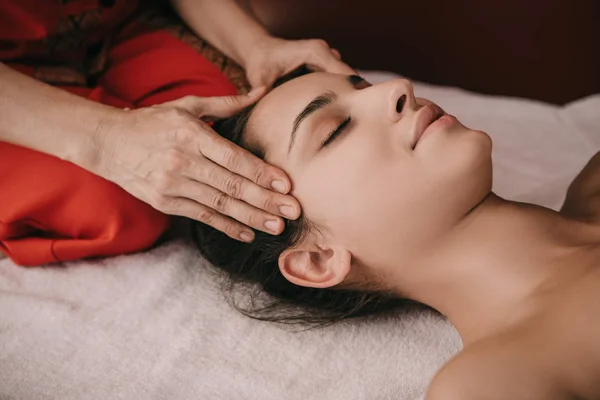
315,267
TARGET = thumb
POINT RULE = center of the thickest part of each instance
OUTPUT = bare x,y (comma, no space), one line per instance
218,106
264,78
329,60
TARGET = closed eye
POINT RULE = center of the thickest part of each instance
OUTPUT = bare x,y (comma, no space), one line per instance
336,132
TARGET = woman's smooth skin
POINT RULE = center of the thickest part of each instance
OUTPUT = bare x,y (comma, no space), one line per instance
519,282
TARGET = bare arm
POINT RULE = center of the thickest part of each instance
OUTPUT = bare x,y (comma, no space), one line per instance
236,33
49,120
583,196
163,155
214,21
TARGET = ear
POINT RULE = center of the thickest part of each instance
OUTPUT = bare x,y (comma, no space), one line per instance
315,267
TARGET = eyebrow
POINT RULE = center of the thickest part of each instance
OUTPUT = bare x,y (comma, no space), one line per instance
319,103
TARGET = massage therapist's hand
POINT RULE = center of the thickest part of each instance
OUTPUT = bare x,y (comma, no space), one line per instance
273,57
168,157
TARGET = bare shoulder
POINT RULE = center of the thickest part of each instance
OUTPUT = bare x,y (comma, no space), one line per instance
455,380
503,367
451,382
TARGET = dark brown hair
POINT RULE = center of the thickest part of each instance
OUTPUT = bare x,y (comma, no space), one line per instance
253,282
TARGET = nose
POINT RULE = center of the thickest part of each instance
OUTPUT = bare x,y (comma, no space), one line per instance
401,98
389,101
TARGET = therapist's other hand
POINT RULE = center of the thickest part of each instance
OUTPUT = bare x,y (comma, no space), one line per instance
168,157
273,57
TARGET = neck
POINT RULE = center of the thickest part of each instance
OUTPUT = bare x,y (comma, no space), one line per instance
486,274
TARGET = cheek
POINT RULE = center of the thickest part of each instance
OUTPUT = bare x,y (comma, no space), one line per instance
335,182
373,197
364,196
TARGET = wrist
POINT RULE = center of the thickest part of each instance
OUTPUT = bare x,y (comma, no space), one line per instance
89,150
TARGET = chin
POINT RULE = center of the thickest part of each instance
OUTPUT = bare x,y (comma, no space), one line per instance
460,151
466,164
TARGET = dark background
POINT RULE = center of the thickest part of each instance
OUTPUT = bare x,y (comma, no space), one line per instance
541,49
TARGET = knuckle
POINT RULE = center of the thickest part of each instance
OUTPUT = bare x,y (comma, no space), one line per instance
161,202
207,216
254,219
267,202
233,186
220,202
231,158
211,176
226,105
259,174
163,182
179,136
201,172
172,113
231,229
174,160
185,132
231,101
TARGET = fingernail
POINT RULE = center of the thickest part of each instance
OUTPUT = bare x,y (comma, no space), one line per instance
246,236
279,186
288,211
255,91
271,225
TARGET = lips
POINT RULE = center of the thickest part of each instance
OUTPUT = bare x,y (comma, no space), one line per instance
427,116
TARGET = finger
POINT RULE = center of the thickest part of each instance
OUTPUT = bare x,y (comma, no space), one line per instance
238,187
328,63
226,106
241,162
231,207
336,54
320,56
263,79
199,212
218,106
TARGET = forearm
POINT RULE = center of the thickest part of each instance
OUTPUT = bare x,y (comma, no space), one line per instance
49,120
214,21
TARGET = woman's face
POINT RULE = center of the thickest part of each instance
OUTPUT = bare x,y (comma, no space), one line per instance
390,181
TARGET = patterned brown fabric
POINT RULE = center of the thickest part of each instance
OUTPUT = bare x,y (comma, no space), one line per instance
153,18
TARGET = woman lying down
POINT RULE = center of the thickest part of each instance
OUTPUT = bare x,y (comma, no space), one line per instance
398,209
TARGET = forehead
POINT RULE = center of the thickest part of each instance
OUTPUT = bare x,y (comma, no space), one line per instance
272,120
